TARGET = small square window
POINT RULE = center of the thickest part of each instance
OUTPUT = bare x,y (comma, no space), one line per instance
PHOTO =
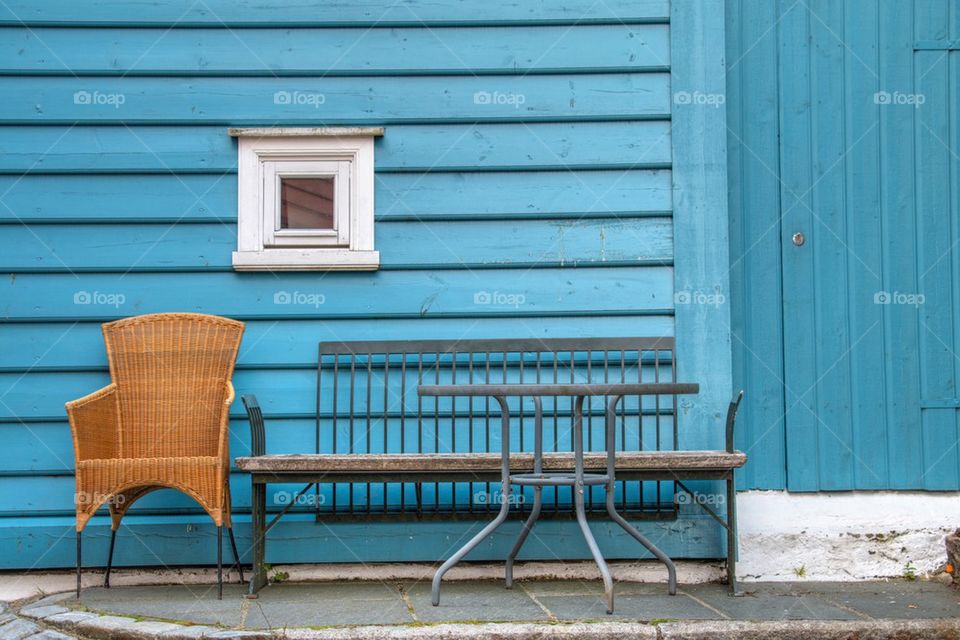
305,199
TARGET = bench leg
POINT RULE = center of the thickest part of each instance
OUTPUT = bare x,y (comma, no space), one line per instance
258,521
660,555
732,546
474,541
527,526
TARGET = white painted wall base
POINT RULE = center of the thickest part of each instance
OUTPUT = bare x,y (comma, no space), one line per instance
843,536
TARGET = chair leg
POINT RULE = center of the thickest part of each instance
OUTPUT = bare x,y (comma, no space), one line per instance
79,546
113,540
236,554
220,563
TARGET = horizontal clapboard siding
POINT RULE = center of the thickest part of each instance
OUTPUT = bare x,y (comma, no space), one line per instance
317,13
470,147
337,100
468,244
533,159
424,196
77,346
339,52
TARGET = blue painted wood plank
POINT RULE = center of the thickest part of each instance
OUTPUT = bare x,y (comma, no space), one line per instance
169,198
403,245
701,256
798,264
379,294
333,52
64,346
307,101
829,243
456,196
474,147
898,206
184,540
864,240
313,13
756,299
936,253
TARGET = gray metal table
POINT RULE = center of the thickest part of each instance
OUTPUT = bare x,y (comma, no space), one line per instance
577,479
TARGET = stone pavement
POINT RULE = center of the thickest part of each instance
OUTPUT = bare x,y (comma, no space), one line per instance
480,609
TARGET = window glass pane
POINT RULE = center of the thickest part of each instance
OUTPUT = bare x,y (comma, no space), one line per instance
306,203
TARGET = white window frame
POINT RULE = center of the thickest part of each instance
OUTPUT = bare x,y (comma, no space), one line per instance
267,155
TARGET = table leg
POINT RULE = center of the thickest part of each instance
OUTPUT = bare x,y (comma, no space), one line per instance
504,503
537,491
578,503
612,510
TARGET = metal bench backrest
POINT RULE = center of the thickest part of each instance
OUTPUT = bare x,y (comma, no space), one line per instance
367,402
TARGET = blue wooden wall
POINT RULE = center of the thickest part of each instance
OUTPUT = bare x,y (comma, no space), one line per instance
528,150
843,127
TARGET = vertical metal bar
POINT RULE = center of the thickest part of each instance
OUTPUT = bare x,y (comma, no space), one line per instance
418,487
658,504
333,421
353,371
623,427
487,427
316,502
589,491
453,426
556,423
386,417
470,427
369,424
436,433
403,423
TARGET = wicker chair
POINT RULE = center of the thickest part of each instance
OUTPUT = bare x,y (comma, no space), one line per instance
161,423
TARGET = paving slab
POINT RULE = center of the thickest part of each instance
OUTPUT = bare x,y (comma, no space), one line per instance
759,604
314,605
628,607
193,603
49,634
485,601
901,600
42,611
18,629
70,619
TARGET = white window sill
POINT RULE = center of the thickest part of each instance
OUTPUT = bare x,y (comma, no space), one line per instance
306,260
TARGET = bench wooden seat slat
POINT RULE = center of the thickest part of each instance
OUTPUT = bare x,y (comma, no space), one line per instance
439,463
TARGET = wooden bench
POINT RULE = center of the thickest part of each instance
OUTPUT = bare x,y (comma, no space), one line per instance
384,451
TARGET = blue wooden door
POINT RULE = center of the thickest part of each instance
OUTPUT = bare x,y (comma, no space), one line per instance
844,143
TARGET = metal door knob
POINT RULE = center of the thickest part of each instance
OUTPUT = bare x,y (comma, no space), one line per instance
798,239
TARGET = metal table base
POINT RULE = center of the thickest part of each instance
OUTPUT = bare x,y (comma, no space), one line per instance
538,479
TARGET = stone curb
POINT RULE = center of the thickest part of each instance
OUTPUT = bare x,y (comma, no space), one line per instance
96,626
932,629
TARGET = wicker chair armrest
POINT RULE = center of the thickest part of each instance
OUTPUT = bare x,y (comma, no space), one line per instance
95,424
224,439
